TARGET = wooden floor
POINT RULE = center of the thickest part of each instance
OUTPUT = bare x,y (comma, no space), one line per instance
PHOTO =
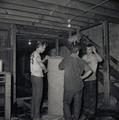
23,113
53,117
45,117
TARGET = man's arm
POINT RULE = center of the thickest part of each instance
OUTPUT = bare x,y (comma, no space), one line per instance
87,70
86,74
46,58
99,58
41,64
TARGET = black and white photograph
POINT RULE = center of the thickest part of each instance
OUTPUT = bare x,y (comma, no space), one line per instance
59,59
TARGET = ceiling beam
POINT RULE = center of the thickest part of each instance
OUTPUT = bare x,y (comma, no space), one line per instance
44,35
83,6
80,8
13,21
40,29
42,13
40,10
35,21
37,18
112,5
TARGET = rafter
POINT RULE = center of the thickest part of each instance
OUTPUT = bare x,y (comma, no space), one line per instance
3,20
80,8
112,5
37,18
44,35
84,7
41,13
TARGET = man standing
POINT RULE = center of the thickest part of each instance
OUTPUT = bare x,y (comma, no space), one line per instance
37,67
73,67
90,85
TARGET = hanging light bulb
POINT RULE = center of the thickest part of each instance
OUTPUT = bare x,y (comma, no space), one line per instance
69,23
69,20
29,43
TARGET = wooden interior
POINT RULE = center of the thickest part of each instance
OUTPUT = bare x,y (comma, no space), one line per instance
55,21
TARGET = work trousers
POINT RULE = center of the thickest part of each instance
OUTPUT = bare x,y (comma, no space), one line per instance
90,97
69,108
37,89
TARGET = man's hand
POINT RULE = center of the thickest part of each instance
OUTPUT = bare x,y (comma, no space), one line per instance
46,58
86,74
94,49
45,71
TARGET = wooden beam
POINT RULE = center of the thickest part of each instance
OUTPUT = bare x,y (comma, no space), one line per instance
39,34
112,5
40,14
7,95
37,21
107,18
3,20
106,62
74,9
57,47
13,43
83,6
90,27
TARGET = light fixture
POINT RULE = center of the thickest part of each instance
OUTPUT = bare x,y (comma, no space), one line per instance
69,20
69,23
29,42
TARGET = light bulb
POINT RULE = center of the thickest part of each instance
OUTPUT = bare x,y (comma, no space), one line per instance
69,25
29,43
69,20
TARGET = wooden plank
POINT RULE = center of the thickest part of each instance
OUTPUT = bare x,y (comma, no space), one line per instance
35,21
106,62
39,34
110,5
41,15
3,20
74,9
7,96
81,6
5,48
42,11
57,47
13,43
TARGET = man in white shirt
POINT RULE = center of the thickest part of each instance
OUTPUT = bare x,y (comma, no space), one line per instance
37,67
90,84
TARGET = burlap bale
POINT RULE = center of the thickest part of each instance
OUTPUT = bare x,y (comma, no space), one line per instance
55,86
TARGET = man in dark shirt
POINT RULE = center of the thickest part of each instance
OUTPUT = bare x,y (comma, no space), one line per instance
73,67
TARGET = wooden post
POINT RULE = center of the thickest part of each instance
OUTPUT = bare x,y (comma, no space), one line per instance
106,62
57,47
7,95
13,43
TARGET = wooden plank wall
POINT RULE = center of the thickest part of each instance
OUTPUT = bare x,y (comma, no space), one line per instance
6,47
